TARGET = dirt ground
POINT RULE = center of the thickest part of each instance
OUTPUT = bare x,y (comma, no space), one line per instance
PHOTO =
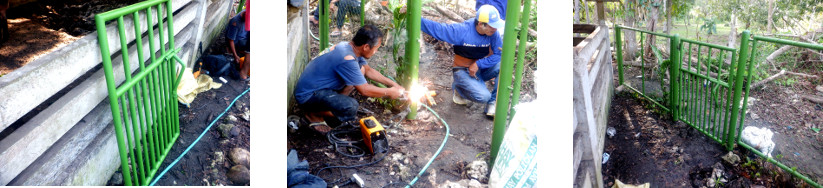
412,142
650,147
792,118
44,26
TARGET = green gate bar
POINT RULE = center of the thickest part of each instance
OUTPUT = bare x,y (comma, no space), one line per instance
144,107
412,49
501,114
738,86
521,55
618,41
324,24
674,73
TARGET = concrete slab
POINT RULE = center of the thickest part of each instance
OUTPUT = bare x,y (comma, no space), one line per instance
28,142
43,77
53,164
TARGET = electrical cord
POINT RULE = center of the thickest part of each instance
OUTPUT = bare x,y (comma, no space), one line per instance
352,166
349,145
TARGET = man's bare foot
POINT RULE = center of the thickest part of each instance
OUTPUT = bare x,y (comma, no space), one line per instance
314,21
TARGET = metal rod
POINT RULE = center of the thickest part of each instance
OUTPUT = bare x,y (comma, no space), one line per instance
324,24
618,41
503,93
362,13
738,86
412,50
521,53
674,72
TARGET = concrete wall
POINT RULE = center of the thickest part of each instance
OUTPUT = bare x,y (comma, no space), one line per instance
298,49
44,150
593,88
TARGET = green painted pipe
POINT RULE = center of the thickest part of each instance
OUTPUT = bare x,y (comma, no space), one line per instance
324,24
674,72
362,13
503,88
618,46
412,49
240,6
738,87
521,54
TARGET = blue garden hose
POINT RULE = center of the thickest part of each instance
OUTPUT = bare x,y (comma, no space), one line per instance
446,138
198,138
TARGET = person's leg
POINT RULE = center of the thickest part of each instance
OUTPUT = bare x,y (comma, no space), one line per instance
341,106
470,87
488,74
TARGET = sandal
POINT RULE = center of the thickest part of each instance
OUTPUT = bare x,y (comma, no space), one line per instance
320,129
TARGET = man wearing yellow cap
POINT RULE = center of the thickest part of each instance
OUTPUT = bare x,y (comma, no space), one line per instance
477,49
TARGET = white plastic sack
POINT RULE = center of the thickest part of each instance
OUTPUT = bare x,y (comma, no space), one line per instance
759,138
516,162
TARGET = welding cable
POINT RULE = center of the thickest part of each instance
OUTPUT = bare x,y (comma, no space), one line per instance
337,142
353,166
198,138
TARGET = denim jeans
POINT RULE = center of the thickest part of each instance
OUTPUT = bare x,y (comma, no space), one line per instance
341,106
344,7
474,88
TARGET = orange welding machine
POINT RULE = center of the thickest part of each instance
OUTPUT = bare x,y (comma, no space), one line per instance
374,135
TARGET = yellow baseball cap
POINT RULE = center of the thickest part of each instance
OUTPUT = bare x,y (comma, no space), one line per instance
489,14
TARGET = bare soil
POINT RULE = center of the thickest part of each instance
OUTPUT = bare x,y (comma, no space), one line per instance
650,147
412,142
44,26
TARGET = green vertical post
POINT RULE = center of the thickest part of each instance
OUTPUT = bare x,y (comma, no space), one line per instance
674,73
738,87
503,88
362,13
324,24
618,47
412,49
240,6
521,54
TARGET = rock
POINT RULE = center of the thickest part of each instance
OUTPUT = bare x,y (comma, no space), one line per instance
230,119
239,105
239,174
478,170
731,158
819,89
224,142
475,184
239,156
246,115
116,179
464,183
219,157
225,130
235,131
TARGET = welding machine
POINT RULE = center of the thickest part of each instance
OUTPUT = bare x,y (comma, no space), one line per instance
374,135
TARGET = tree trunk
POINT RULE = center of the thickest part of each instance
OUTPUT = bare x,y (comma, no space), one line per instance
668,16
588,14
576,11
650,26
770,25
631,41
732,35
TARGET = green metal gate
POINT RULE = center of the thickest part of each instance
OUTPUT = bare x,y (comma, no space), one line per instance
144,107
706,81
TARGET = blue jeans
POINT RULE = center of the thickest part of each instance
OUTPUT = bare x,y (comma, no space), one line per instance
474,88
344,7
341,106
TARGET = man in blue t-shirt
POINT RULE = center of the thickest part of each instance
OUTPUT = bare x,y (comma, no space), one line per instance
323,88
238,40
477,50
